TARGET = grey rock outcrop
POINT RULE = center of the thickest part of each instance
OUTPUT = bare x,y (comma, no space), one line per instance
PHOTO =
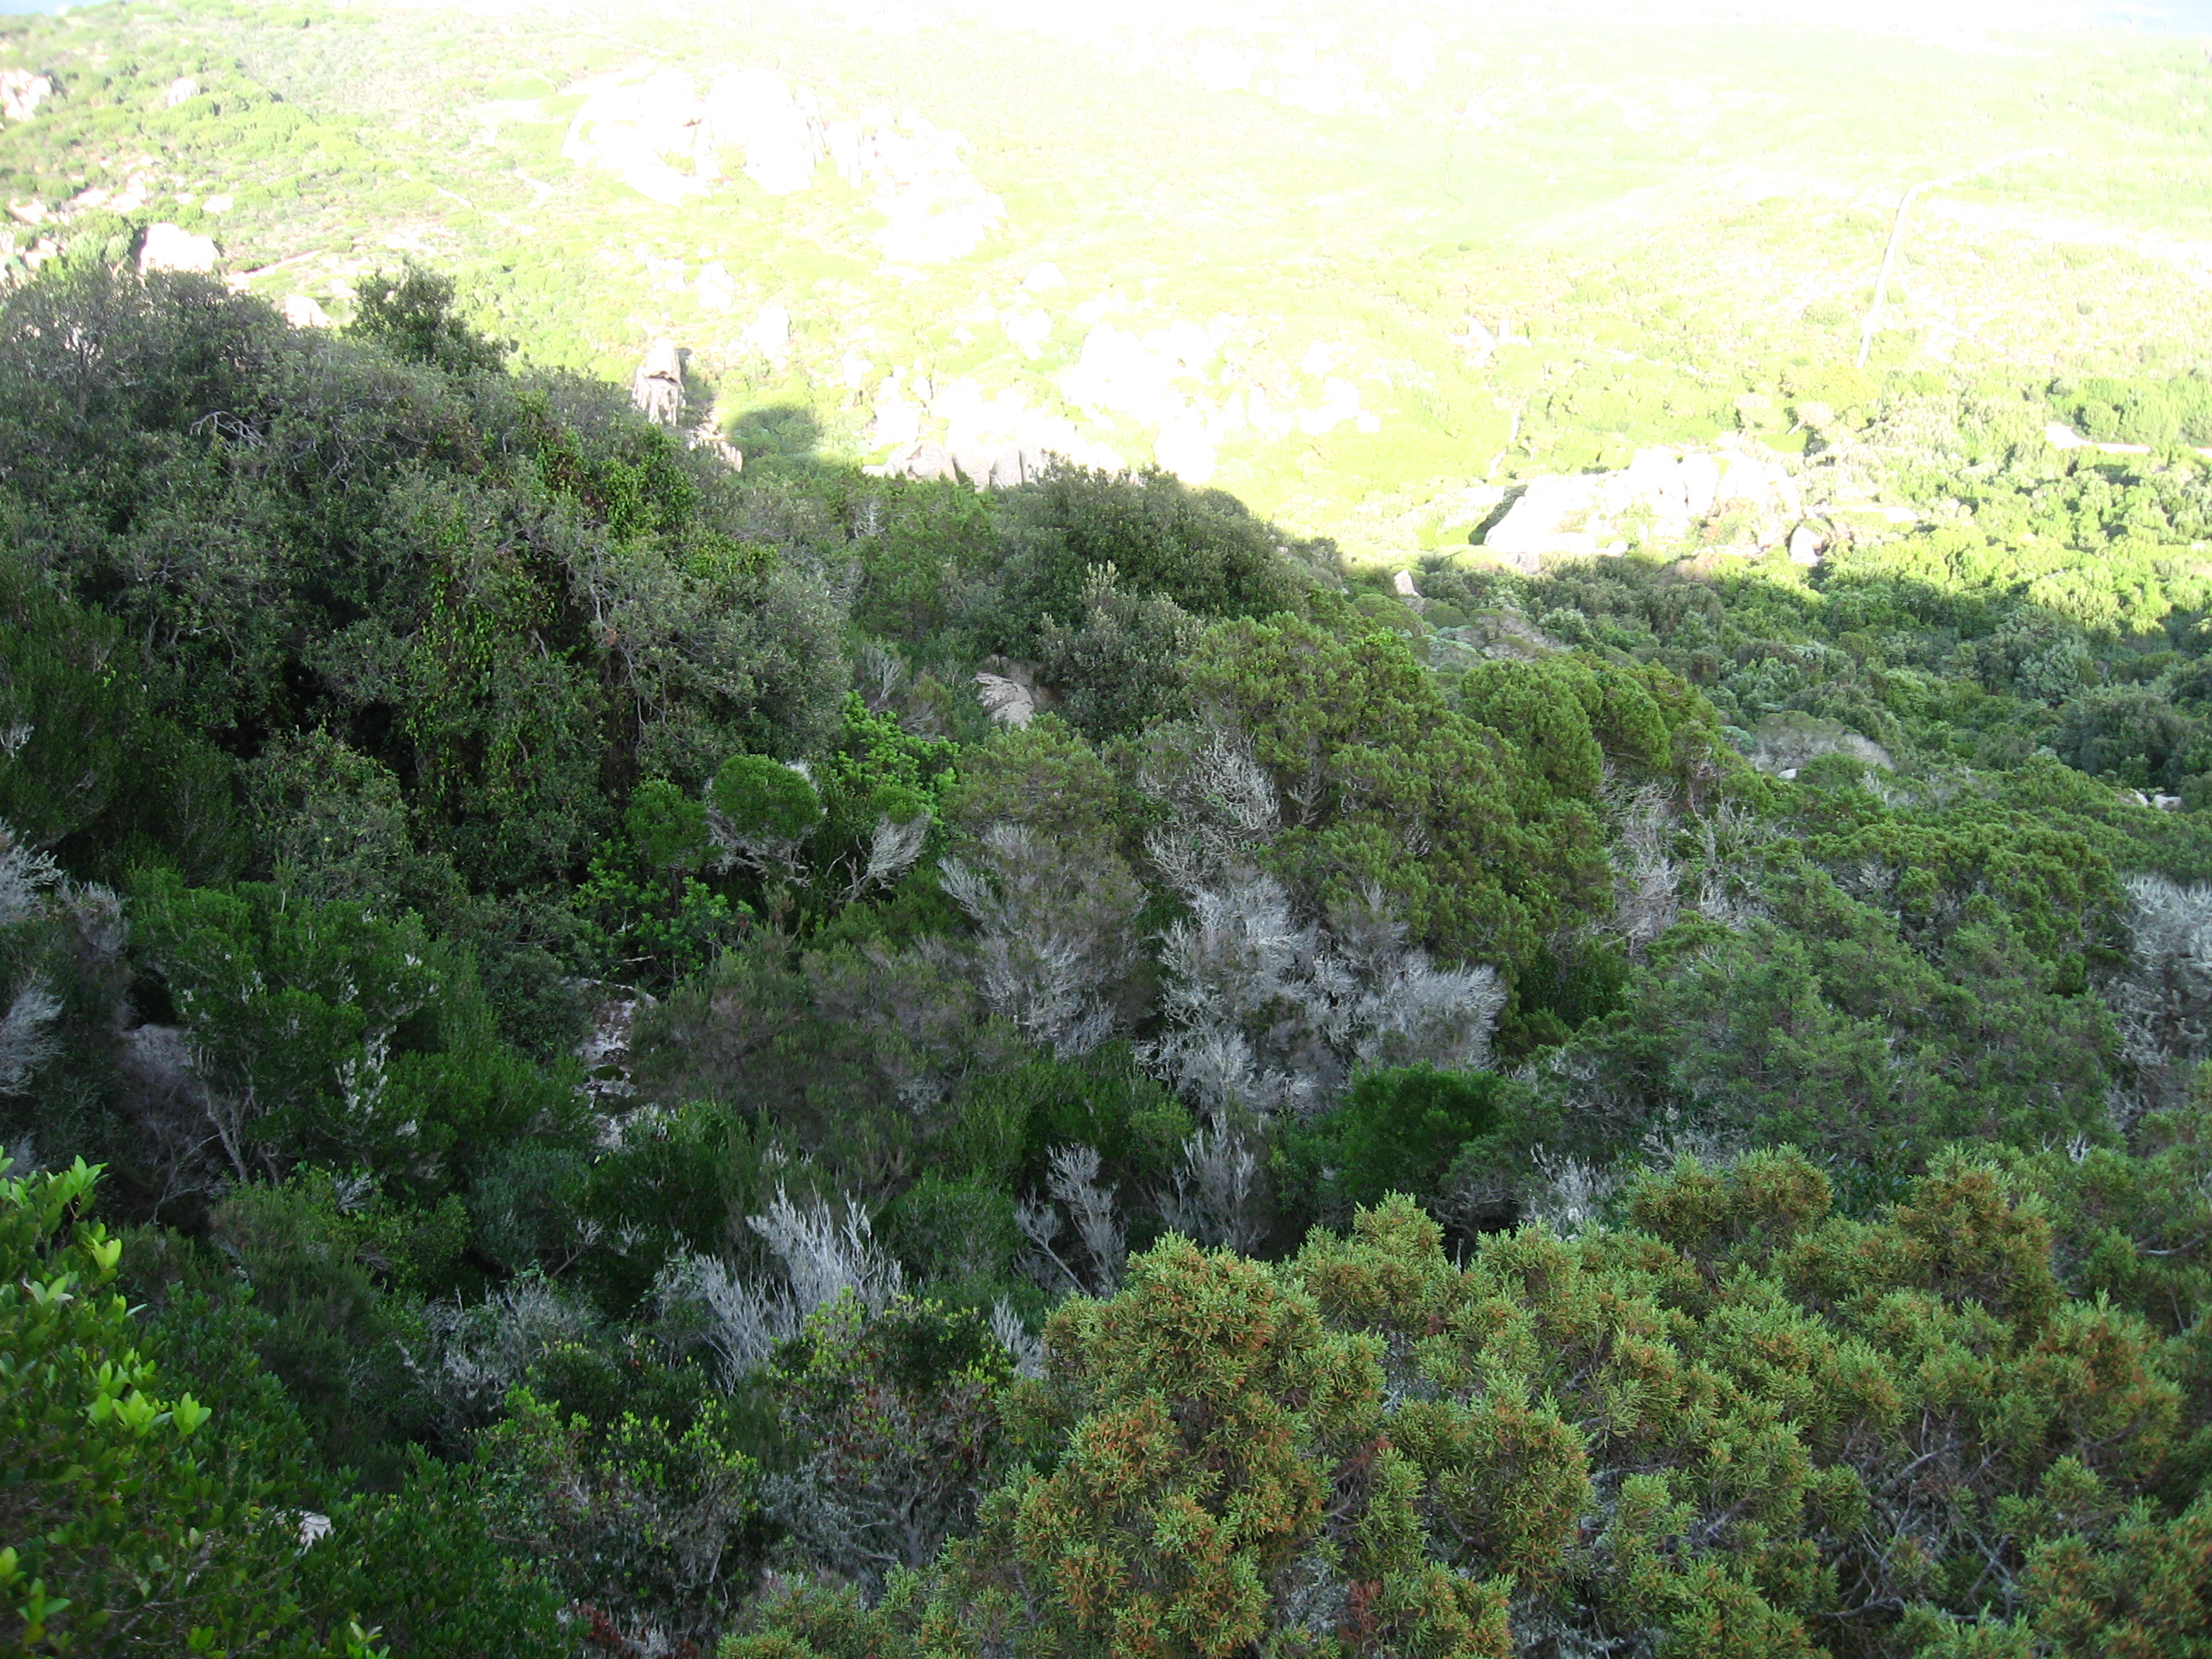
1783,743
657,388
1006,702
986,466
927,461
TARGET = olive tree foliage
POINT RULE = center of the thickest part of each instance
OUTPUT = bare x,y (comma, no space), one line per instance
1073,541
509,591
412,314
860,1055
89,770
1117,666
330,822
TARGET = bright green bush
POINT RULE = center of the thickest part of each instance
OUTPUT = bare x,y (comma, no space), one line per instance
118,1534
1397,790
137,1519
765,798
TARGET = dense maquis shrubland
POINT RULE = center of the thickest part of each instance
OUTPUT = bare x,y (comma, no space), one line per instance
572,1090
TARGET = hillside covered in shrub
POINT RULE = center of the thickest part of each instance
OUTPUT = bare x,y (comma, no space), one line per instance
606,1055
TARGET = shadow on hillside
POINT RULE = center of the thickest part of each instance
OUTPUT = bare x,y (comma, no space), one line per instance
778,434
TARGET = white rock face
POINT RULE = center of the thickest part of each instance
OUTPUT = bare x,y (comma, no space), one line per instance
303,311
1027,330
656,132
934,208
987,435
1414,57
986,466
768,335
715,288
779,130
181,90
631,126
1782,743
22,92
1663,497
172,247
1171,379
1158,378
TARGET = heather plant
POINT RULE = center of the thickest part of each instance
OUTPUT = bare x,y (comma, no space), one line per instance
330,1032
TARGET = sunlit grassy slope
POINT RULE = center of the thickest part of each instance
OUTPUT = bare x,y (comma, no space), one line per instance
1663,219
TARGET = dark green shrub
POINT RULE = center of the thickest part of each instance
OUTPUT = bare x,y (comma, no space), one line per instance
667,827
1010,1123
429,1567
1400,1130
1153,537
950,1230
